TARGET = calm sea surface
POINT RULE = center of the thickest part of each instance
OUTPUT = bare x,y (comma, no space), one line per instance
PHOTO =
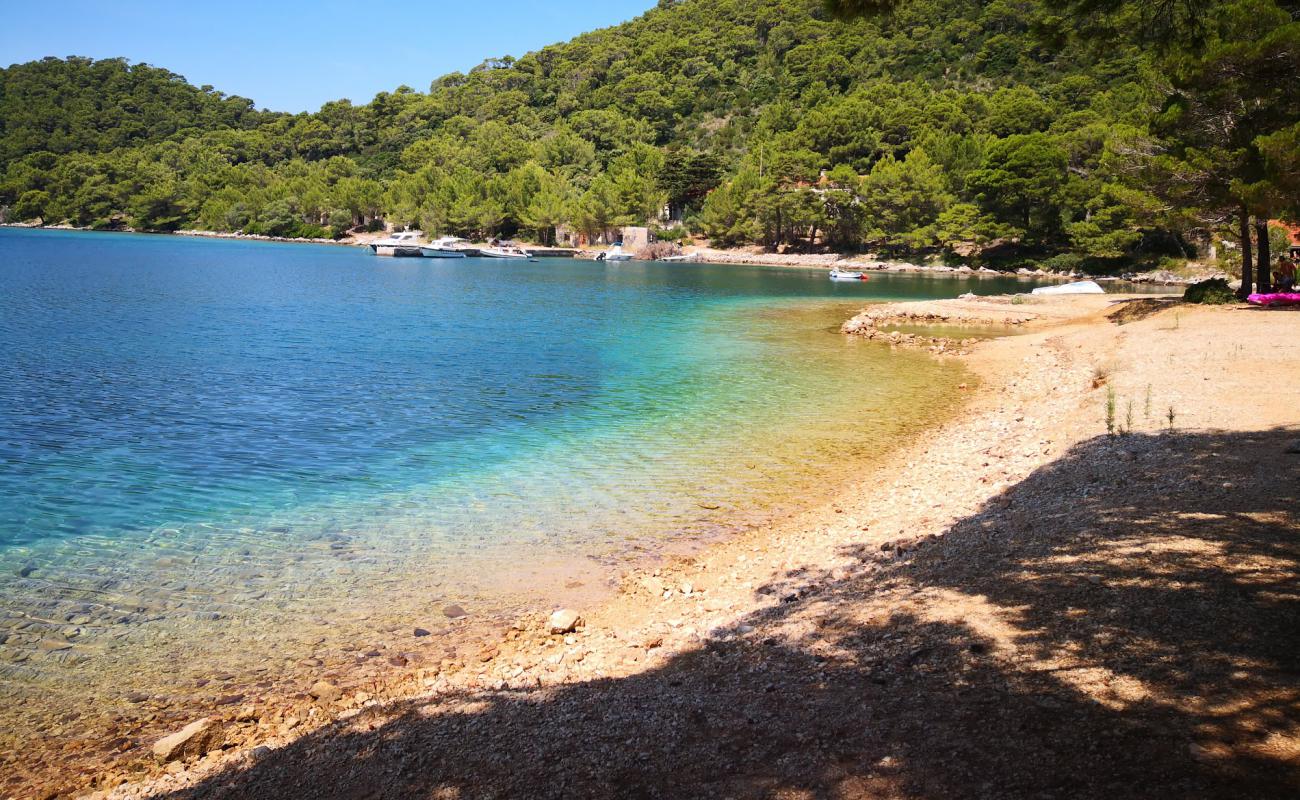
219,452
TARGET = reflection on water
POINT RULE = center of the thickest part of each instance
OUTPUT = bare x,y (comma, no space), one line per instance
244,459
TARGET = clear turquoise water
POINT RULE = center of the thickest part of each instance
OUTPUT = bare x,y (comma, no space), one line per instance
161,381
215,450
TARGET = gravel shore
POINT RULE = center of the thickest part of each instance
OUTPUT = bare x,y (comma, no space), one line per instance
1017,605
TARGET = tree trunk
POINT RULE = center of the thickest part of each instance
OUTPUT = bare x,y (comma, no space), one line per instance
1246,266
1263,272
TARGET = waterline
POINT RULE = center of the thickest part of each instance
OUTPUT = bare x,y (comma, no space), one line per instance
261,462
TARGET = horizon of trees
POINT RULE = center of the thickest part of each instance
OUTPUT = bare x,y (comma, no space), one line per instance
942,126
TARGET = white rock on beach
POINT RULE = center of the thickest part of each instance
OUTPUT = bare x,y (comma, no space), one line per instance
652,585
563,621
193,740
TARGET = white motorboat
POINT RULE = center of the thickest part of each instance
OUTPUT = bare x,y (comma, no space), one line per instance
444,247
504,251
1077,287
681,257
615,253
402,243
845,275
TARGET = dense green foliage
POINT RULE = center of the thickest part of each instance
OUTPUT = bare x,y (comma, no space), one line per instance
80,105
944,125
1214,292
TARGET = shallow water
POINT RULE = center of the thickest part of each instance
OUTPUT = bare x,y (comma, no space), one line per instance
222,456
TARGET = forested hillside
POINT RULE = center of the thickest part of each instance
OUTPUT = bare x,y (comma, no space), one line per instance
81,105
945,125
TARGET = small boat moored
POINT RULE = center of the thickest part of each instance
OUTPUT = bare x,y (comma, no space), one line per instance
845,275
504,250
681,257
615,253
444,247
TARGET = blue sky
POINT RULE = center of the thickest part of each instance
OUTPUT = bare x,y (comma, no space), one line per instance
295,56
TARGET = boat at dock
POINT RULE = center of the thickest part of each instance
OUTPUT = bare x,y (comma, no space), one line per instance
502,250
446,247
401,243
615,253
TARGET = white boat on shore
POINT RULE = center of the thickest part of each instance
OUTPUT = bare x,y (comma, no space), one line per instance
681,257
504,251
615,253
401,243
1077,287
846,275
444,247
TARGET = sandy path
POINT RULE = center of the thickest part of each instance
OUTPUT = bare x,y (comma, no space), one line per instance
1018,606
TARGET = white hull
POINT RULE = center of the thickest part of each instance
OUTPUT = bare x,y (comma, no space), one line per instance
492,253
402,243
1078,287
837,275
394,250
614,253
437,252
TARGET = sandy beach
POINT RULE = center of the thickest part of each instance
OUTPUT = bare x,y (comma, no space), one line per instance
1018,604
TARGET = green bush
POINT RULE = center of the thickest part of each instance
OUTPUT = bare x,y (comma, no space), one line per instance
678,234
1065,262
1214,292
309,231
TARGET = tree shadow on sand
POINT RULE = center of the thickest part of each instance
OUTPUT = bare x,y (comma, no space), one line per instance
1123,623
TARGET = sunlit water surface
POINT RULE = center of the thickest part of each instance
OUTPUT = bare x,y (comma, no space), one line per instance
229,457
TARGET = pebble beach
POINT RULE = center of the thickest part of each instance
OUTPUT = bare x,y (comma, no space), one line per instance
1015,589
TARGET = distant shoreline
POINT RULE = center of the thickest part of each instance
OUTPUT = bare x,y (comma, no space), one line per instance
708,255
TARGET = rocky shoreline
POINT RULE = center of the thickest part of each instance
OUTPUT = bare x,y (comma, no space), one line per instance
996,315
752,256
889,554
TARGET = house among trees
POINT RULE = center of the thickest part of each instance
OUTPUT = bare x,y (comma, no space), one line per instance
633,237
1293,231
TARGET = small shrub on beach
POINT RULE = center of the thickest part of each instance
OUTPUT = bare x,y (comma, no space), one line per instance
1100,374
1214,292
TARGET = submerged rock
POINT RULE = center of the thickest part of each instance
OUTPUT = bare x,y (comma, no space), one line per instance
454,612
192,741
